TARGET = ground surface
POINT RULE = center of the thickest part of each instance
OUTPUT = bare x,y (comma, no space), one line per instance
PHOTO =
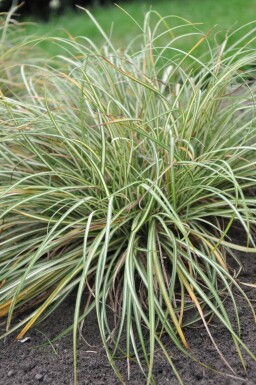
28,364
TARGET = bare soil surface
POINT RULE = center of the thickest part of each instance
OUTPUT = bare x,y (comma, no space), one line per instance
31,363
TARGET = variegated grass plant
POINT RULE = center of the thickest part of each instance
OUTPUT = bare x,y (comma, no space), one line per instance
122,173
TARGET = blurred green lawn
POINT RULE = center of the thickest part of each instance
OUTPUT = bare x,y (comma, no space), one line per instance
218,16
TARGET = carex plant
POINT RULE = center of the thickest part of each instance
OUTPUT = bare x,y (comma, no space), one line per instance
123,172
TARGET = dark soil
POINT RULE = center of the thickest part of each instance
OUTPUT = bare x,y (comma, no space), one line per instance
30,363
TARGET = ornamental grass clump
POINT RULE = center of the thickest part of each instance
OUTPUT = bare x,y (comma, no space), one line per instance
122,174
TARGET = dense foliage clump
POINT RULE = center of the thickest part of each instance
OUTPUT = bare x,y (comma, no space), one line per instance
122,174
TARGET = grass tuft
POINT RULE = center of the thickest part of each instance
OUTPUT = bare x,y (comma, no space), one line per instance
122,173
